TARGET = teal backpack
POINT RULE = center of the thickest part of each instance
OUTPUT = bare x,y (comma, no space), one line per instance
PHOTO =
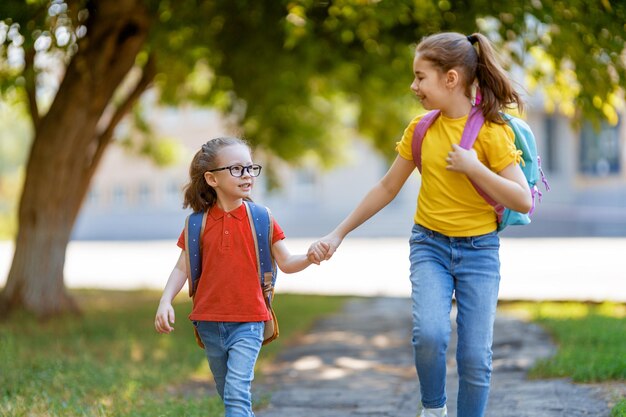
524,141
262,227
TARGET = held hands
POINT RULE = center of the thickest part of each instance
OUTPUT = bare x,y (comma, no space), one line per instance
462,160
317,252
164,318
323,249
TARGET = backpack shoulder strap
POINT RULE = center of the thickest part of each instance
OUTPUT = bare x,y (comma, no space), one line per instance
418,136
194,229
475,121
262,226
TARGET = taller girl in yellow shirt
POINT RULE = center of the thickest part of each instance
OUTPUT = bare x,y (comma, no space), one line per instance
454,243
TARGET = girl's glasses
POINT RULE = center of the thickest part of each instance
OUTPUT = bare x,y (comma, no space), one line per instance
238,170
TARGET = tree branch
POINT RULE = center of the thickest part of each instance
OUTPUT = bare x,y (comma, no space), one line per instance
31,86
149,71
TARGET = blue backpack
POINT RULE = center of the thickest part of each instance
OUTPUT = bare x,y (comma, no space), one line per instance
262,227
524,141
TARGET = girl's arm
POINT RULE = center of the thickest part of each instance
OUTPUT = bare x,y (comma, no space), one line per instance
165,313
287,262
378,197
508,187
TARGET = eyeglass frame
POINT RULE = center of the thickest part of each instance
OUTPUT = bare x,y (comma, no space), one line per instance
243,169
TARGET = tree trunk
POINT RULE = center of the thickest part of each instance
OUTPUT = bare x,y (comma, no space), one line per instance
67,147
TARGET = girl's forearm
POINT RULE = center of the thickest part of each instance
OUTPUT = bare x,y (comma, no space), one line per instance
295,263
175,283
505,191
374,201
378,197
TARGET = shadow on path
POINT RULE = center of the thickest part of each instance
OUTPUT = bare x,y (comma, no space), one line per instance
360,363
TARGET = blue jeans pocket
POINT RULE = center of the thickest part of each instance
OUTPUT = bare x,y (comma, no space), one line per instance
488,241
256,330
418,235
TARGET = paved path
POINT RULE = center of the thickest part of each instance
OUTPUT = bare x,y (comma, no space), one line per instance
359,364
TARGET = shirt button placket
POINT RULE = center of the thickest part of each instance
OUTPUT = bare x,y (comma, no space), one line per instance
227,229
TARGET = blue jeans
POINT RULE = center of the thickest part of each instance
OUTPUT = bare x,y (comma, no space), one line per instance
232,350
469,268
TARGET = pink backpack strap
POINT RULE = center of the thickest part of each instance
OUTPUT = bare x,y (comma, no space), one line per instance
418,136
475,122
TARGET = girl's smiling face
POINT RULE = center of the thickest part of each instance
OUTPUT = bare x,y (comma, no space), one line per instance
429,84
230,190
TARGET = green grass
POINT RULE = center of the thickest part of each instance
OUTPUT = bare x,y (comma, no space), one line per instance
620,409
591,340
110,362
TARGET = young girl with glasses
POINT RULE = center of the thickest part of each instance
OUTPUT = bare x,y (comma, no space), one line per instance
454,244
228,310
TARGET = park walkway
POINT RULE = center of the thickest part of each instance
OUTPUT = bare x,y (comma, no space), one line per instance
359,363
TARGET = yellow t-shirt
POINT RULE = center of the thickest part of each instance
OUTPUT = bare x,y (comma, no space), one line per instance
448,202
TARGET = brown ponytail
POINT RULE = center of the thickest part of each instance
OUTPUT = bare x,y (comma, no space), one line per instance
451,50
199,195
496,89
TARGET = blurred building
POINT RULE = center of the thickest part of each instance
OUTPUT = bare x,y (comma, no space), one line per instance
131,198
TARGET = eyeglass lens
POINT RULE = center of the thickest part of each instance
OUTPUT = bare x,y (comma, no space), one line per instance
238,170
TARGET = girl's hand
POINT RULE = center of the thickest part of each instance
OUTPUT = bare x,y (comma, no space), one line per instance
462,160
317,252
332,241
164,316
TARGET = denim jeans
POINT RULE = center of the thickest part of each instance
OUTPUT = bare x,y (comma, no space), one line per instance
469,268
232,350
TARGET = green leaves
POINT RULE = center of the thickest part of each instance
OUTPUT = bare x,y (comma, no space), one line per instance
278,67
583,42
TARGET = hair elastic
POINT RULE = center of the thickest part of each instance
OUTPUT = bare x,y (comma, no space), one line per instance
472,39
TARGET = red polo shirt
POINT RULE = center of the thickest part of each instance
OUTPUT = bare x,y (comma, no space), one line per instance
229,287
